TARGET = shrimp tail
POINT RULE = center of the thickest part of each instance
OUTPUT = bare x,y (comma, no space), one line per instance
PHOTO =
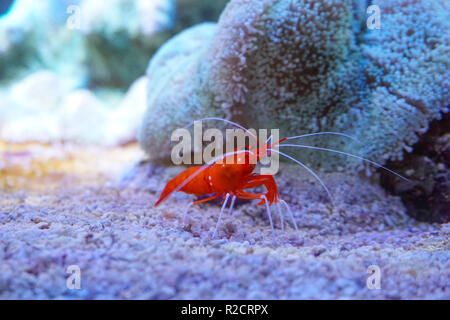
168,190
194,185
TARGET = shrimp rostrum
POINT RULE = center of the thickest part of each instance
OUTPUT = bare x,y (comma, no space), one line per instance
229,176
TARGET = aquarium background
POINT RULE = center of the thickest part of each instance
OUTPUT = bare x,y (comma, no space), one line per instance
91,90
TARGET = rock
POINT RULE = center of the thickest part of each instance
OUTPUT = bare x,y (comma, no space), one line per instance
171,77
83,118
427,196
125,120
303,66
28,107
40,91
45,107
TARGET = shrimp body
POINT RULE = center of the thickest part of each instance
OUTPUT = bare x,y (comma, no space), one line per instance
199,185
232,175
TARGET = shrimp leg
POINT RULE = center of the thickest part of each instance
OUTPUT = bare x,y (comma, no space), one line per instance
270,218
197,202
207,199
233,200
270,184
220,215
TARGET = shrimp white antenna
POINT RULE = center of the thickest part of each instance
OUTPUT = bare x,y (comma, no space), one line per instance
309,170
344,153
290,214
323,133
223,120
230,210
219,119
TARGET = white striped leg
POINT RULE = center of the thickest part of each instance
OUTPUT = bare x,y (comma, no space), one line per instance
290,214
280,213
220,215
186,211
269,214
232,205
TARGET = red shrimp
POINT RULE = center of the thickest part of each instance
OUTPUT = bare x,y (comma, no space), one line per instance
231,176
234,174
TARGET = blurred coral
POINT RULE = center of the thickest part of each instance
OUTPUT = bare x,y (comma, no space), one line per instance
45,107
101,43
66,65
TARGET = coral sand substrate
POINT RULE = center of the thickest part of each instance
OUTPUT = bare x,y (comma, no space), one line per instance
86,211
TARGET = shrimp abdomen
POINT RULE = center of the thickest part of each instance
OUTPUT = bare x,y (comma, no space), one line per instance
197,184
